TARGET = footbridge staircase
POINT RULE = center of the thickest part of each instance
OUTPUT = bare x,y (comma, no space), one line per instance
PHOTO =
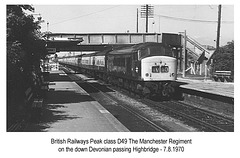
197,57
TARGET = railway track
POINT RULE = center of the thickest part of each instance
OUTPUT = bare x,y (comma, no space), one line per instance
207,120
200,118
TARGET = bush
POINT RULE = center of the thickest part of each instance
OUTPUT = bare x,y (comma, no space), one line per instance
224,59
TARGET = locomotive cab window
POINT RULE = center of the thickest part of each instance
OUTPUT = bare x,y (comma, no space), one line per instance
162,51
157,50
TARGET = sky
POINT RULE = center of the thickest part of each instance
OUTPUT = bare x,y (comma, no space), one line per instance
199,21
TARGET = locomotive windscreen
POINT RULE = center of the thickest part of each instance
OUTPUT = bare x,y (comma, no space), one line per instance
162,51
155,51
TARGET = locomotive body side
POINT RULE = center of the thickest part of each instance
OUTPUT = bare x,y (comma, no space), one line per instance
120,65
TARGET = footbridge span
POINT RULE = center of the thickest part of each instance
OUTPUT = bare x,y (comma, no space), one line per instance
99,41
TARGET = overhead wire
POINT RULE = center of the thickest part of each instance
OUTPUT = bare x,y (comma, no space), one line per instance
192,20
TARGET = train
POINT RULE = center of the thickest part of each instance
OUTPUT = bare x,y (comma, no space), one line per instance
146,68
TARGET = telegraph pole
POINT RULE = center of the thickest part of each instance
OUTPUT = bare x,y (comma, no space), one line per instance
147,12
217,40
218,28
210,61
146,18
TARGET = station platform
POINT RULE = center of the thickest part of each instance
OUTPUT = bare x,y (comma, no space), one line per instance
69,108
225,89
217,97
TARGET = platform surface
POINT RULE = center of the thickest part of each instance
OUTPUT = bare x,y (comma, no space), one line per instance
69,108
209,86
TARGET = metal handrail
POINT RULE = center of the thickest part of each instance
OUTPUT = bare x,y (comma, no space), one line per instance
198,45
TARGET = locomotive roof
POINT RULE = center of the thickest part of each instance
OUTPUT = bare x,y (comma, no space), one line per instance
134,48
124,49
101,53
146,44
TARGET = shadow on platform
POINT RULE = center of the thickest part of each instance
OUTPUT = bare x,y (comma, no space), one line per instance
56,109
58,77
65,97
50,115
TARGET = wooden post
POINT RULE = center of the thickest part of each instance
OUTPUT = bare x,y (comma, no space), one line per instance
184,54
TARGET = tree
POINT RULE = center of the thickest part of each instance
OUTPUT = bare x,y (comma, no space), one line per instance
224,59
24,51
23,31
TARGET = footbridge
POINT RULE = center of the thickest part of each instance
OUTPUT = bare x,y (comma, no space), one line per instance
99,41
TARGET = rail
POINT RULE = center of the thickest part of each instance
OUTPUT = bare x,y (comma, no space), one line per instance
207,120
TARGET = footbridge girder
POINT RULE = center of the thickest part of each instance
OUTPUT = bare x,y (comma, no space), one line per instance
99,41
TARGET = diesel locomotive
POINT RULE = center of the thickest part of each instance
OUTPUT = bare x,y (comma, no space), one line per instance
145,68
